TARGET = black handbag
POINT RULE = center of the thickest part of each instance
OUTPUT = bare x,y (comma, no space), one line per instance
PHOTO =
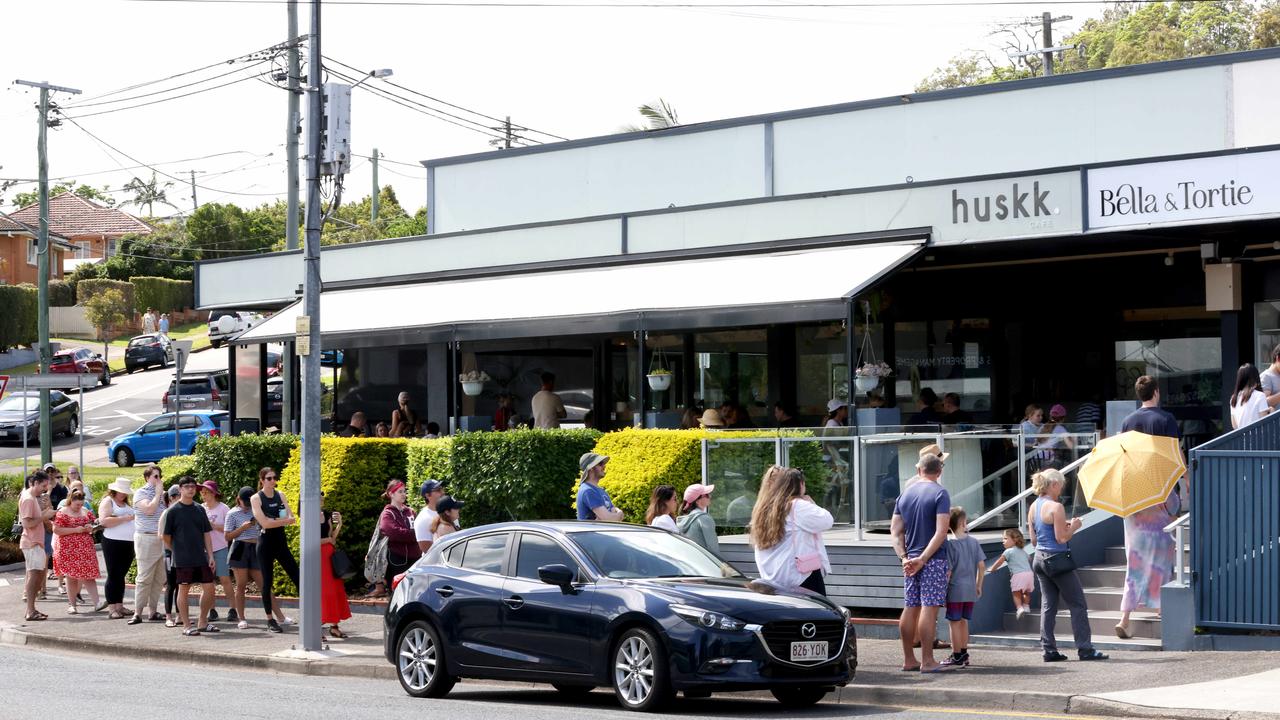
341,564
1058,563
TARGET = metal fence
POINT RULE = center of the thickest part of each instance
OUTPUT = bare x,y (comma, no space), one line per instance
1235,552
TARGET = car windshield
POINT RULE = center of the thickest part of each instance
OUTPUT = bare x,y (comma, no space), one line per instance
142,340
14,403
631,554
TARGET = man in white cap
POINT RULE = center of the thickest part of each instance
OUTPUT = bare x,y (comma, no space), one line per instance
594,502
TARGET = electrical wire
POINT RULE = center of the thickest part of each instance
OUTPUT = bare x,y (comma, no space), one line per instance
193,83
623,6
166,99
76,176
416,107
84,101
414,102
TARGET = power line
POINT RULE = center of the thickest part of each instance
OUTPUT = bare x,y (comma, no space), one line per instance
76,176
621,6
417,107
153,93
411,101
136,86
167,99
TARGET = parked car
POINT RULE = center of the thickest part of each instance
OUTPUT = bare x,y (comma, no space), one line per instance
147,350
200,391
153,441
241,320
81,361
580,605
21,411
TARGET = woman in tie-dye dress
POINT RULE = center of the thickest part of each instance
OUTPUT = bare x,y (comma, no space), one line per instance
1151,556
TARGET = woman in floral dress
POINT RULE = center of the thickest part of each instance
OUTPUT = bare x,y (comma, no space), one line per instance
74,557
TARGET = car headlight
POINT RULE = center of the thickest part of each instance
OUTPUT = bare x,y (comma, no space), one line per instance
707,619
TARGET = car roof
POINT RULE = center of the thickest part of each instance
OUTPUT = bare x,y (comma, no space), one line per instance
205,413
146,335
568,526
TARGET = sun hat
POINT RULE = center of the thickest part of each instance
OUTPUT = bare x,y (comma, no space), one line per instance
590,460
430,486
121,485
711,418
695,491
835,404
933,450
1057,411
448,503
212,487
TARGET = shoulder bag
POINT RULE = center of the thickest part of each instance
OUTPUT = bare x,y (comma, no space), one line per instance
375,559
806,562
341,564
1059,563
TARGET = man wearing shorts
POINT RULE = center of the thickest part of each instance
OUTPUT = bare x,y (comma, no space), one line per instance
33,516
921,519
189,536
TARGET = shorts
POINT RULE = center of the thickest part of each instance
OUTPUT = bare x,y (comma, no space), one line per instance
1024,581
220,563
193,575
35,558
959,611
248,559
927,588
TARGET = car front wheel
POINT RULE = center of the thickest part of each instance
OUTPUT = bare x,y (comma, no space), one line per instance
123,457
73,426
640,671
799,697
420,662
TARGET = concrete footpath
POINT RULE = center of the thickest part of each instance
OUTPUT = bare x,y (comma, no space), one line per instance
1132,684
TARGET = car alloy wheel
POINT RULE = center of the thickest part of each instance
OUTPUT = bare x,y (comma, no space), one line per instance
640,671
420,662
72,426
124,458
106,375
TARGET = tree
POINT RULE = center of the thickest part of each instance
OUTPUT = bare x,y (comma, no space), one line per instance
216,230
657,116
1128,33
105,311
87,192
148,193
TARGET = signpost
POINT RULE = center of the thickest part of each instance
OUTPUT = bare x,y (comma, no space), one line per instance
181,349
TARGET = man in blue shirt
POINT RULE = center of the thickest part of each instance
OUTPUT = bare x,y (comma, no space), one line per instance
594,502
921,520
1149,418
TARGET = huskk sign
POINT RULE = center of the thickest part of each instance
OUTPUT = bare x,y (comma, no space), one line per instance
1185,191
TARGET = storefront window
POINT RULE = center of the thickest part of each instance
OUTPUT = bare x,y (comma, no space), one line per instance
733,366
1189,371
947,356
1266,318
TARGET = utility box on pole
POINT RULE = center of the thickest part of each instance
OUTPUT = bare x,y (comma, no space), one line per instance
335,147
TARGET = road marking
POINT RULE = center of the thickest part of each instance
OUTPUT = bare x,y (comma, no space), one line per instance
95,431
992,713
126,413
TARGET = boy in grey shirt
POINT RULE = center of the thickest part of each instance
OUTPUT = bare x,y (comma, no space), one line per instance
966,569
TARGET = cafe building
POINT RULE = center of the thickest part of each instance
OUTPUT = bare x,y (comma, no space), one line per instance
1040,241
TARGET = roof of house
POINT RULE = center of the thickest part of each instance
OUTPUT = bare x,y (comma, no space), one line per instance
71,215
8,224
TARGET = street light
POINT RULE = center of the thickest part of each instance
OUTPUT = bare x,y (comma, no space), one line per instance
379,73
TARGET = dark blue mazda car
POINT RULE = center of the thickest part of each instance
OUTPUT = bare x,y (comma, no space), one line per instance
582,605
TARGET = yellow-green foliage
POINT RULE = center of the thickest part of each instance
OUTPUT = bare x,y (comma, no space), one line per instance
430,459
640,460
353,475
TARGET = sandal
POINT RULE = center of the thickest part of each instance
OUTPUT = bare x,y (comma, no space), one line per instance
336,631
171,623
72,610
211,628
191,631
115,615
37,615
1122,632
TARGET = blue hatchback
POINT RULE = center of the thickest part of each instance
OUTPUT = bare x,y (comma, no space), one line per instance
154,440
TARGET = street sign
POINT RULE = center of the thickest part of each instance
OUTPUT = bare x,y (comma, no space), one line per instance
303,345
4,380
56,381
181,350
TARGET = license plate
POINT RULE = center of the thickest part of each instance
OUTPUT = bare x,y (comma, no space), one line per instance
189,404
4,433
802,651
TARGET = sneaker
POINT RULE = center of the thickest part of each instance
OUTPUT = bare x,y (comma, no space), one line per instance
1093,654
232,615
274,627
964,658
213,615
1022,610
955,660
288,621
243,625
1054,656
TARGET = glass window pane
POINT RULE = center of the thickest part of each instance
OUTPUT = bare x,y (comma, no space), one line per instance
485,554
947,356
733,366
538,551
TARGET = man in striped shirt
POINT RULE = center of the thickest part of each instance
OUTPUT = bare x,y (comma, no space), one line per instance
148,502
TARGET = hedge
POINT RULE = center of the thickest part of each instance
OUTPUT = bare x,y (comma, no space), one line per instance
18,321
175,466
162,294
61,293
353,476
640,460
233,462
430,459
517,474
86,289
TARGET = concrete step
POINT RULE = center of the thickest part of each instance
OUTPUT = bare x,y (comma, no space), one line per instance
1101,622
1065,643
1116,556
1111,576
1103,598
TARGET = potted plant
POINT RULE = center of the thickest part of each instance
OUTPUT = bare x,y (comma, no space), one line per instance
473,382
868,375
659,376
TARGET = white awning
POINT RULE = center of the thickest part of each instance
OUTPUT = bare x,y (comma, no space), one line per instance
785,281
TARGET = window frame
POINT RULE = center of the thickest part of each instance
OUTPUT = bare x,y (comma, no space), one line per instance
144,431
502,570
577,564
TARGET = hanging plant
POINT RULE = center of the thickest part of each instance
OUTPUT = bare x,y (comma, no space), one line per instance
659,374
473,382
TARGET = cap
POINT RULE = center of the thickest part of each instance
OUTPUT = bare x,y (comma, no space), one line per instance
835,404
933,449
448,503
174,490
695,491
1057,411
590,460
49,466
245,494
430,486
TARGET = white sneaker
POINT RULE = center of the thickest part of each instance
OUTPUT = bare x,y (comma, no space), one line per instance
1022,610
242,625
288,621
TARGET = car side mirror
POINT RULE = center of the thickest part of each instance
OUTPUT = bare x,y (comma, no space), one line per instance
558,575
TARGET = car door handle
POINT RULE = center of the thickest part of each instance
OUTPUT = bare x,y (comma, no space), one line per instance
444,591
515,602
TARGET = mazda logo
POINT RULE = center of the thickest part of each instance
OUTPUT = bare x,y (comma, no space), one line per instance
808,630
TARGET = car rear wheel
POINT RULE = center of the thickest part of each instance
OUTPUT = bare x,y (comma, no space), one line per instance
106,375
799,697
640,672
73,426
420,662
124,457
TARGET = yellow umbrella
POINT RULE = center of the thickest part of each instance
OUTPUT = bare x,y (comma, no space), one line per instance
1131,471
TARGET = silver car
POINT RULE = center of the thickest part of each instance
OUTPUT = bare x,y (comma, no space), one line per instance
200,391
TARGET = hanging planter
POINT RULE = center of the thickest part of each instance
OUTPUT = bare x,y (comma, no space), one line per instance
473,382
870,373
866,383
659,376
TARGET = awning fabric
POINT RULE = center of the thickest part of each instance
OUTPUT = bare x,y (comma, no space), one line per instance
780,279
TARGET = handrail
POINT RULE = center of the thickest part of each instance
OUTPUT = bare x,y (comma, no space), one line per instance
1075,465
1178,528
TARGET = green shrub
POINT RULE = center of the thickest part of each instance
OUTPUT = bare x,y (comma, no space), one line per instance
640,460
353,476
175,466
428,460
233,461
8,513
61,293
86,289
18,321
162,294
517,474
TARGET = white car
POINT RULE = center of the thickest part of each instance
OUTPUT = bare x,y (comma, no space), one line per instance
239,321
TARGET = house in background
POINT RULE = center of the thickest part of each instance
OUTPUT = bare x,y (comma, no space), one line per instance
19,259
93,229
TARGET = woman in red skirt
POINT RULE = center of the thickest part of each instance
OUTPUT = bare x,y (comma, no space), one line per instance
74,557
333,593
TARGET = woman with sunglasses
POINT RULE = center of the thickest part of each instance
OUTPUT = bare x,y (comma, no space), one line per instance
697,523
273,516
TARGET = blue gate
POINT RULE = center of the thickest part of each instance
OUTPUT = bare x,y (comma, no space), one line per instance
1235,553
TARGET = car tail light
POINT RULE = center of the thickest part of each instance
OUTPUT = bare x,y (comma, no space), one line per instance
215,432
213,394
164,401
396,581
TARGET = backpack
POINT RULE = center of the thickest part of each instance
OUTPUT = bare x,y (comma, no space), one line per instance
375,560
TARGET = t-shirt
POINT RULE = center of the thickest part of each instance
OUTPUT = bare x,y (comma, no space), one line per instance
1017,559
142,522
1152,421
186,525
218,519
591,497
239,517
1250,410
963,557
919,505
666,522
422,524
1270,381
29,507
547,409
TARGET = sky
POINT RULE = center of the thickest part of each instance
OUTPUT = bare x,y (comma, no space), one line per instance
571,72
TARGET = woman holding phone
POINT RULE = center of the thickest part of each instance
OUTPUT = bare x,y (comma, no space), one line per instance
273,516
75,558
